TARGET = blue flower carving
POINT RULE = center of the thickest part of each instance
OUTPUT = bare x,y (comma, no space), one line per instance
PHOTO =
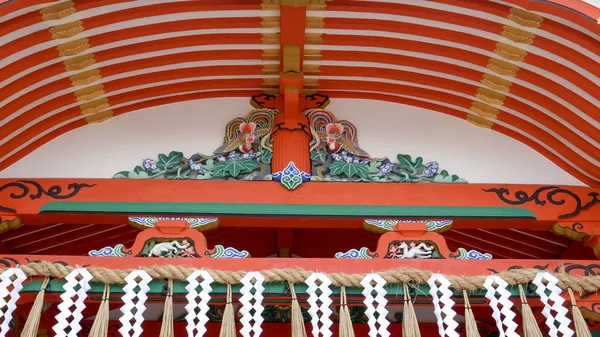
431,169
149,164
385,169
221,158
196,167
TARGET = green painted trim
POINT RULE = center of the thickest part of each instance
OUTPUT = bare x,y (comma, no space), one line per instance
308,210
276,289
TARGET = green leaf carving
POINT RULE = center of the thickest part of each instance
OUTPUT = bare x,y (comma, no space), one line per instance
318,155
404,160
122,174
166,162
349,169
233,168
266,156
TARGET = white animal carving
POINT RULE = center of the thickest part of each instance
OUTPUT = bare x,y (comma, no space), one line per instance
421,251
165,249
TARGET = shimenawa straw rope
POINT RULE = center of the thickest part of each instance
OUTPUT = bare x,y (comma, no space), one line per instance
392,276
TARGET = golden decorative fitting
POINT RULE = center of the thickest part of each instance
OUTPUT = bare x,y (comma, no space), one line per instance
58,11
270,54
86,77
510,52
312,54
73,47
99,117
490,96
311,82
94,107
270,38
503,67
484,110
567,233
309,91
270,22
311,69
10,224
271,82
525,18
291,58
518,35
90,93
79,62
315,22
270,69
496,83
295,3
313,38
67,30
479,121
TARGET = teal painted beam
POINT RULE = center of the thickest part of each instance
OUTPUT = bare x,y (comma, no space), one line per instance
289,210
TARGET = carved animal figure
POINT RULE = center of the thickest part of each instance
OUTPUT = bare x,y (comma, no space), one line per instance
243,133
335,134
421,251
168,249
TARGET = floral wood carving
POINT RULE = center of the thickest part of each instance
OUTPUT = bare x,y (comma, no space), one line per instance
336,156
245,155
23,188
553,195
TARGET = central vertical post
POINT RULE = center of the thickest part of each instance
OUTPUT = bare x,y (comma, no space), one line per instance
291,137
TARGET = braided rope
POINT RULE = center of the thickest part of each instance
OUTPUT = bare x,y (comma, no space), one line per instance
392,276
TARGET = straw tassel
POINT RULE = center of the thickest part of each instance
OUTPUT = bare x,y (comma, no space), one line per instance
470,322
298,328
166,329
228,323
530,326
100,326
346,329
33,320
581,328
410,325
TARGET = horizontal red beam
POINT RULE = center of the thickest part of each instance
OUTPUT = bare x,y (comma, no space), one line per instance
548,203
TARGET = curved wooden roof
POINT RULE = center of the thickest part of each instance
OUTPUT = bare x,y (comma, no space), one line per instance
527,69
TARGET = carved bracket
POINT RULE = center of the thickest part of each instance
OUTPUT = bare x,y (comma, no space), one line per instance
381,226
412,240
171,238
200,224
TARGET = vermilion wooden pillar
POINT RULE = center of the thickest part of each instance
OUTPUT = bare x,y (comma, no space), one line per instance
291,137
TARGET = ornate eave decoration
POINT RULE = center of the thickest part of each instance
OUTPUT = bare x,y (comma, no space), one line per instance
246,154
336,156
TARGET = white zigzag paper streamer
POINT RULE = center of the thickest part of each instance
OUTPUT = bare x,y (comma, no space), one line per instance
560,312
67,303
248,306
321,324
505,317
8,307
439,284
136,279
381,311
197,321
